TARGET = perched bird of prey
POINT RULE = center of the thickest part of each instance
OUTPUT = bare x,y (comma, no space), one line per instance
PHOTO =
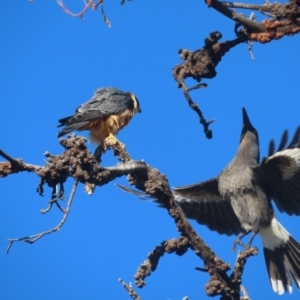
104,115
238,201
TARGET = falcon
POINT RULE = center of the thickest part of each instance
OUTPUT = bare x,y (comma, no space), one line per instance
104,115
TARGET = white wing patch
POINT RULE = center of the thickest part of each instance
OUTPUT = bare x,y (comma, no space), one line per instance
274,235
294,158
278,286
201,197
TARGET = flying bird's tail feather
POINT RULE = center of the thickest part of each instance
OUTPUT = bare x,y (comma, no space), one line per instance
282,255
140,195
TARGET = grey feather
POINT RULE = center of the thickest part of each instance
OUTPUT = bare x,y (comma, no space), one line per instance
239,200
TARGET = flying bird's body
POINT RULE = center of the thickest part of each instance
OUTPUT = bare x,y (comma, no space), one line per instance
239,185
104,115
238,201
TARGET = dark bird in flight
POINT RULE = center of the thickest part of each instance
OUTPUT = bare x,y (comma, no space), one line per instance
104,115
238,201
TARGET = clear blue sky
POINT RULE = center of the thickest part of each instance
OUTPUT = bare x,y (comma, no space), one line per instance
50,64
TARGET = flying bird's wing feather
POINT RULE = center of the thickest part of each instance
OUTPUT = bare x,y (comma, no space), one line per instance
279,174
203,203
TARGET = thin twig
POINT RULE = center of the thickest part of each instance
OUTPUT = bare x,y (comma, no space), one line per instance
233,15
250,49
88,4
33,238
9,158
236,275
129,289
265,7
195,107
246,295
43,211
179,246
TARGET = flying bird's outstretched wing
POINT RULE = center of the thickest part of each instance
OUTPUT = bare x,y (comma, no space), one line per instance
279,174
238,200
203,203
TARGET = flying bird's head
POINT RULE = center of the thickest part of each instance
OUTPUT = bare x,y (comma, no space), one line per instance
135,102
249,137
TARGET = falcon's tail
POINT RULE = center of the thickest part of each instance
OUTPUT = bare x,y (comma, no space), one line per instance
282,255
69,127
64,121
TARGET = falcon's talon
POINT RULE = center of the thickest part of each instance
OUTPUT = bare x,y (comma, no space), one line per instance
111,141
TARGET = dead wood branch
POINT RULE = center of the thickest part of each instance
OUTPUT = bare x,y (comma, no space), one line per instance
201,64
282,11
239,266
129,290
35,237
284,20
88,4
179,246
78,163
150,180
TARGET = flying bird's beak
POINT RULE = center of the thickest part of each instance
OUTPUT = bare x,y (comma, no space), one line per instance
139,110
246,121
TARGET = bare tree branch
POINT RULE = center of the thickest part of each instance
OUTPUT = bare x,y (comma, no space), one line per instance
246,296
201,64
77,162
35,237
156,185
233,15
236,275
88,4
285,22
264,7
130,290
179,246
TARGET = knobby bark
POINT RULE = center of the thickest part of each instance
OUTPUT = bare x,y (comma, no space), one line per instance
77,163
